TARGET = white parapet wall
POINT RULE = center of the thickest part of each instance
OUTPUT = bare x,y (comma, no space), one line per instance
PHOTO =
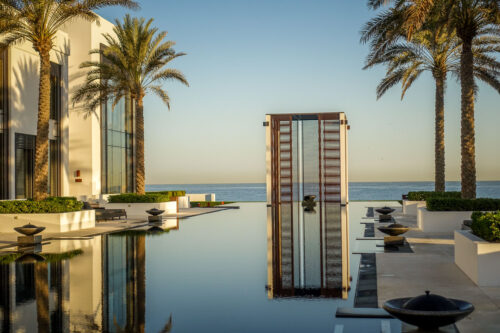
410,207
477,258
440,222
201,196
57,222
138,210
183,202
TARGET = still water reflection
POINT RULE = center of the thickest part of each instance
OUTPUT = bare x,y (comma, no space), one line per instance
223,272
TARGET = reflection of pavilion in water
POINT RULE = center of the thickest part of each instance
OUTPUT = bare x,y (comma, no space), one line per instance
308,256
307,250
103,289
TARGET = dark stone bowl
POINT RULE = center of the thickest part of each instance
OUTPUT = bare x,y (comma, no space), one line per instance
309,197
385,210
428,320
29,229
394,229
155,212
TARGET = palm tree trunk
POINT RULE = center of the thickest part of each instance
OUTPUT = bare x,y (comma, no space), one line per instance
42,297
439,175
140,176
467,135
41,172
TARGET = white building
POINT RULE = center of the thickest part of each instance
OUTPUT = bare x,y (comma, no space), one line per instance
90,153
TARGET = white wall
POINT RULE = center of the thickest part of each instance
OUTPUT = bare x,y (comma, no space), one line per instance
23,80
84,127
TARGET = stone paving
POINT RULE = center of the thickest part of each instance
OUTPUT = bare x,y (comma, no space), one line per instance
431,267
102,227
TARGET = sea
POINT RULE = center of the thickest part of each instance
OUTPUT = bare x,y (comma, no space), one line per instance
358,191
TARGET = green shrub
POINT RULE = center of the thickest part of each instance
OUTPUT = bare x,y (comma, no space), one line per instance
47,206
456,204
172,194
424,195
486,225
205,204
139,198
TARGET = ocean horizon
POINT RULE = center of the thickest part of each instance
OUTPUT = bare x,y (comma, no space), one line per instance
358,191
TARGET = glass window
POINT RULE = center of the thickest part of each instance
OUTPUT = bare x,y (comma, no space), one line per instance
4,176
24,164
117,166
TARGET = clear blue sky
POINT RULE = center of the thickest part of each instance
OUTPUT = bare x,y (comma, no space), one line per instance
247,58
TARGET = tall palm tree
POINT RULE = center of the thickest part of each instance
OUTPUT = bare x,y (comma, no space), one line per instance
37,21
467,18
134,64
435,51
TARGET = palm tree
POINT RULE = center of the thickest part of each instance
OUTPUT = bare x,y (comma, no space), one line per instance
37,21
467,18
134,64
435,51
432,49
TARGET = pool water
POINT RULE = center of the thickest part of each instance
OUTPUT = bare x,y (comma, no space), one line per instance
209,273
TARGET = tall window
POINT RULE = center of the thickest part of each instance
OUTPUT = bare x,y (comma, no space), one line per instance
25,161
117,139
55,114
4,175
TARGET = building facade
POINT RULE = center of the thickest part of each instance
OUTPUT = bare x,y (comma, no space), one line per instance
90,153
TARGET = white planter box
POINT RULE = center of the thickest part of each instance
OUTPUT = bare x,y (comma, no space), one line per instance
477,258
58,222
138,210
411,207
441,221
201,196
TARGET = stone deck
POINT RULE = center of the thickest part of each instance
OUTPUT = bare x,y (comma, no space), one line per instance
103,227
431,267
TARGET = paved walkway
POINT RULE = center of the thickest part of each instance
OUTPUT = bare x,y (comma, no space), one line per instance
10,239
431,267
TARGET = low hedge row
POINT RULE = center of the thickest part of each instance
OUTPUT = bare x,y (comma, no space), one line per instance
47,206
424,195
172,194
486,225
139,198
205,204
457,204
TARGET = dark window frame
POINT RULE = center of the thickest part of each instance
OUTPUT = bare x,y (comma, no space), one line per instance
55,114
4,123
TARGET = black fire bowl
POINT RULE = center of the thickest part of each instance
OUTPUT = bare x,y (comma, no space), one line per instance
29,229
155,212
385,210
428,320
394,229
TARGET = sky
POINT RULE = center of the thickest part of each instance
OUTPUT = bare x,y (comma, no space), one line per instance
247,58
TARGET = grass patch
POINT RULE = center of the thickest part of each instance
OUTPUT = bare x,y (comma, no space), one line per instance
47,206
49,257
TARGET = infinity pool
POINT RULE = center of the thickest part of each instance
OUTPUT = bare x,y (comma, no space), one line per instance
210,273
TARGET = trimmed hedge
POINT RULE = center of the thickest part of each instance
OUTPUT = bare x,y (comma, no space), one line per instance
47,206
486,225
172,194
424,195
139,198
457,204
205,204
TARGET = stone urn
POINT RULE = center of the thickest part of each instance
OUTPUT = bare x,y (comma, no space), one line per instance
155,215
